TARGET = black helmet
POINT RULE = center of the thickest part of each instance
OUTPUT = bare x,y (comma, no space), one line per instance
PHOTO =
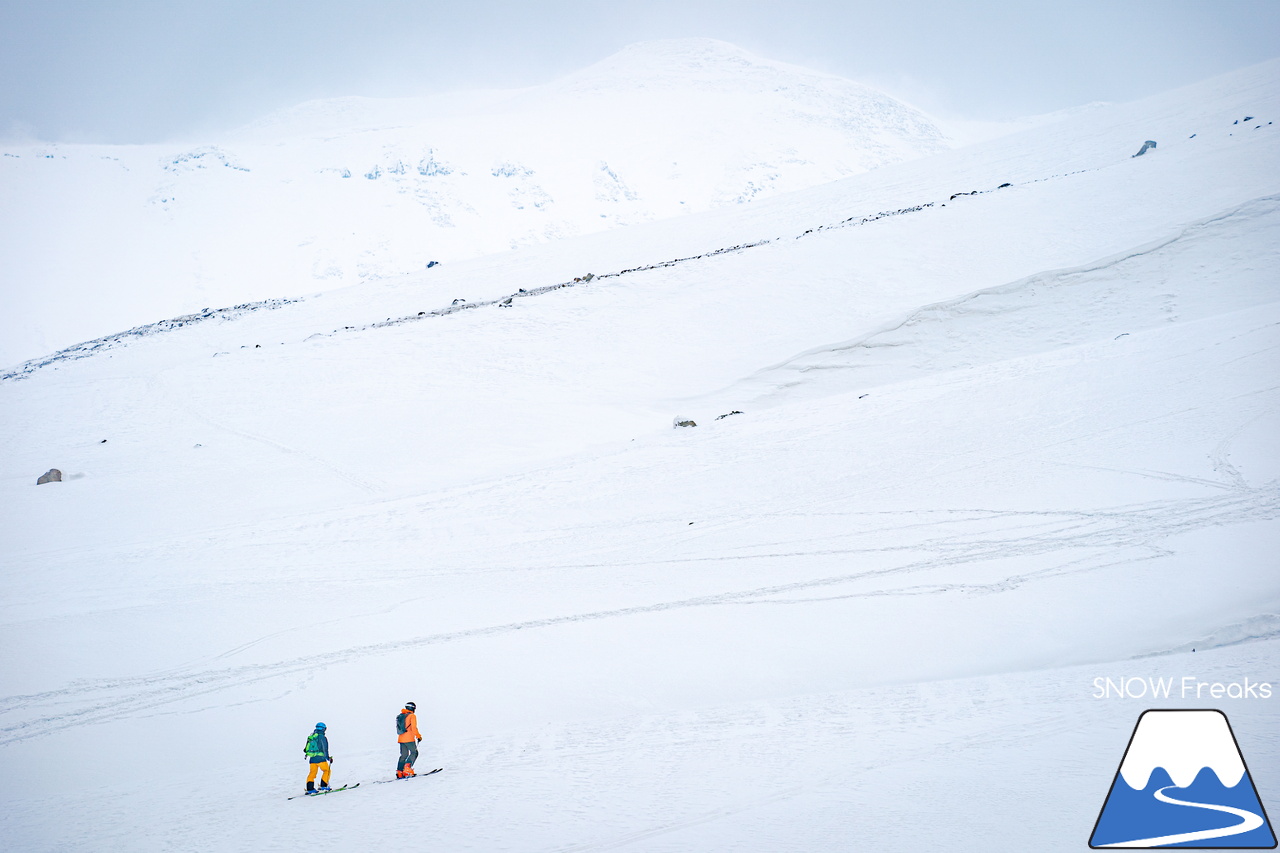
409,706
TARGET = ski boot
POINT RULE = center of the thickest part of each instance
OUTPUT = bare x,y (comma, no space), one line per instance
311,787
324,786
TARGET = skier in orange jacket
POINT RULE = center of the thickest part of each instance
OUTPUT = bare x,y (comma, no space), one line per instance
409,738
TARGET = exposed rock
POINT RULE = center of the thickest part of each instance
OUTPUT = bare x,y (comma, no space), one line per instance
682,422
1150,143
53,475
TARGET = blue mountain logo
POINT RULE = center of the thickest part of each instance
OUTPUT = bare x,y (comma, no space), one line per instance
1183,783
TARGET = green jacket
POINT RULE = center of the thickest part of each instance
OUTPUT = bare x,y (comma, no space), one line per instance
317,748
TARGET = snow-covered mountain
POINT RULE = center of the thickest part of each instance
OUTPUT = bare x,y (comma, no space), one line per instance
972,430
101,238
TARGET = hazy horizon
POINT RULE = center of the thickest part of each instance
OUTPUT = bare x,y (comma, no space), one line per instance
144,72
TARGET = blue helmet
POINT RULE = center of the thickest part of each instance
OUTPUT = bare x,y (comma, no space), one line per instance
320,727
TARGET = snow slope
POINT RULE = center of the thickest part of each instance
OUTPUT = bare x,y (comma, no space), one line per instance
330,193
990,447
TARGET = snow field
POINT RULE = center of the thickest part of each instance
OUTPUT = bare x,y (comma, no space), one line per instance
863,614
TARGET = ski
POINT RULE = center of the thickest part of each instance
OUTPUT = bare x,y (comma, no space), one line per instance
330,791
415,776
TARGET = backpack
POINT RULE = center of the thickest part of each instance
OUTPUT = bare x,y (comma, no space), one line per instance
401,728
313,744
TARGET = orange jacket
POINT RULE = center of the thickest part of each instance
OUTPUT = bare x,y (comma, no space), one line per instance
410,727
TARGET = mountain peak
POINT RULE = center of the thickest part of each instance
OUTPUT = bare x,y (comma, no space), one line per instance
680,61
687,50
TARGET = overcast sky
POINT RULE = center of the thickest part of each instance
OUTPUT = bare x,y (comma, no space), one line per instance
100,70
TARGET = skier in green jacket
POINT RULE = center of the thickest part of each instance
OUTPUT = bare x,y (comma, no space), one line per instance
317,752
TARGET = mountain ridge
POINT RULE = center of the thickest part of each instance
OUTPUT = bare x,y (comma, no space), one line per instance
334,192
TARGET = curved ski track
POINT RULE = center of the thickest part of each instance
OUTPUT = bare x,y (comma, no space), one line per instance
1109,539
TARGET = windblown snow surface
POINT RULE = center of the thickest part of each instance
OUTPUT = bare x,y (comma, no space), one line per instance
990,447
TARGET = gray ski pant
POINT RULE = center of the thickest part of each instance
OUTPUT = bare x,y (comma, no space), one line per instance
408,755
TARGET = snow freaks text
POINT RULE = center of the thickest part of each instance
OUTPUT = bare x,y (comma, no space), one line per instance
1186,687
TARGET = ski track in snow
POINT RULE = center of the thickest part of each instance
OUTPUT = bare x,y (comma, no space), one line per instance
757,715
182,401
948,743
1111,539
